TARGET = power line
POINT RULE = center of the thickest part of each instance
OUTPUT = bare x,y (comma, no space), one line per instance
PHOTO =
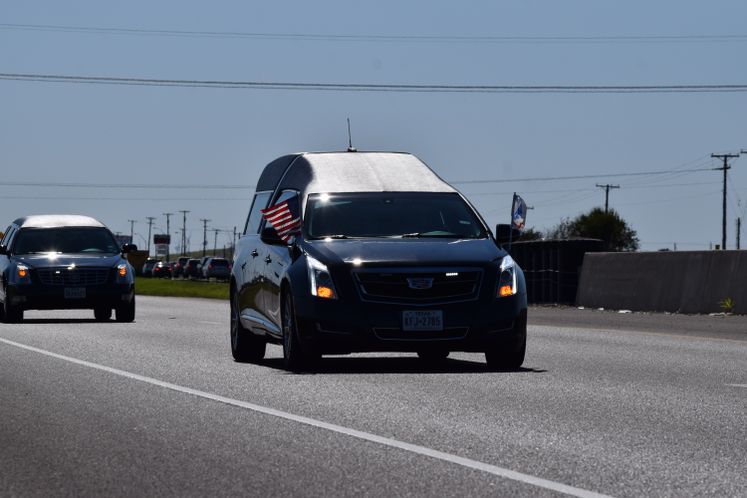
155,199
346,37
122,185
578,177
247,187
559,191
375,87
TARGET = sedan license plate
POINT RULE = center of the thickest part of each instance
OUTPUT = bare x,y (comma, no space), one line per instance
75,292
423,320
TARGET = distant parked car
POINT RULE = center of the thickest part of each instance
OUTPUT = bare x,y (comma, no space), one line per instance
179,266
190,269
161,270
217,268
147,270
200,264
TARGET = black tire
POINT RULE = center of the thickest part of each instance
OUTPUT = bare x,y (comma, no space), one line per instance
102,314
125,312
296,356
509,356
433,356
245,345
12,314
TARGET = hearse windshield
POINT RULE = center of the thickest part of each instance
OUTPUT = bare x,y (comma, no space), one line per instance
397,215
65,240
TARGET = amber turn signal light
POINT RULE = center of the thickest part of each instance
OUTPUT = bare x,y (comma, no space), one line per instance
325,292
505,291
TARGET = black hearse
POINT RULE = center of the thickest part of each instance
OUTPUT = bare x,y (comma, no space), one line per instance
64,262
387,257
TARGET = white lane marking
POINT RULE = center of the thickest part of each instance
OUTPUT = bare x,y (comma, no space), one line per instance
366,436
737,385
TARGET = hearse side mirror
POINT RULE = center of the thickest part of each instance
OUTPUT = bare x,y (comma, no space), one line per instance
270,236
3,250
504,233
128,248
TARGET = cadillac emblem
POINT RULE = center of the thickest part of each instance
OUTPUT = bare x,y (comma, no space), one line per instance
420,283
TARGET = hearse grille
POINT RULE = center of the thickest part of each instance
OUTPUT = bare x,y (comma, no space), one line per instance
418,287
73,277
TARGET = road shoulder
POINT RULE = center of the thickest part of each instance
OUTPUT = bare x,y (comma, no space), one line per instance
731,327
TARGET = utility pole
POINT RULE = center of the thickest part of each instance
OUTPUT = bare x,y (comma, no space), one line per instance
607,195
204,235
725,168
184,232
150,225
739,231
233,247
168,232
215,241
132,231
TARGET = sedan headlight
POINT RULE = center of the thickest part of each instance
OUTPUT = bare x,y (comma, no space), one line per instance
320,279
507,278
21,275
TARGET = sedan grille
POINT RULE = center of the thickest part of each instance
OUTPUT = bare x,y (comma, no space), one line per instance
417,287
73,277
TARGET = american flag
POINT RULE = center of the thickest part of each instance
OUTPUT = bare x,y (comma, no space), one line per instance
285,218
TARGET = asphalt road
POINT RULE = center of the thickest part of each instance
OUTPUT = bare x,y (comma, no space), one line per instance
620,405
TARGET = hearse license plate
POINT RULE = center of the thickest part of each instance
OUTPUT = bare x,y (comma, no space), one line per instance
423,320
75,292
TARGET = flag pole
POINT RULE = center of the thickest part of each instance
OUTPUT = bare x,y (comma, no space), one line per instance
511,223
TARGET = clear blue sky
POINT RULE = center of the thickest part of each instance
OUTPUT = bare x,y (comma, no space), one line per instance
165,136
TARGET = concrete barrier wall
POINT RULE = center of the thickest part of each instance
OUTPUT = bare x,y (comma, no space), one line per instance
682,281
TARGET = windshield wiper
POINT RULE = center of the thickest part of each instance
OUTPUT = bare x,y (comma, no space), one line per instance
336,236
418,235
442,235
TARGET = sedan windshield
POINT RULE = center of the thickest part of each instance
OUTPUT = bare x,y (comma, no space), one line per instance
65,240
401,214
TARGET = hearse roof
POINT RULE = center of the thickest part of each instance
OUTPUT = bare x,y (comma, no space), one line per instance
312,172
57,220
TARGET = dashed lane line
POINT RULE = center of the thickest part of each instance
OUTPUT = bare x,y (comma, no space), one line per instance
365,436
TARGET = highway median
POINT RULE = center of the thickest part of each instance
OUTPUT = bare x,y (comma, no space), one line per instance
181,288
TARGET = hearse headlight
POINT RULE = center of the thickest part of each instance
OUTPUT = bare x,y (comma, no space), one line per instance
320,279
21,275
123,273
507,278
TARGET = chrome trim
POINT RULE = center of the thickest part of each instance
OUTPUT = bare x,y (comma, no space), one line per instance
251,320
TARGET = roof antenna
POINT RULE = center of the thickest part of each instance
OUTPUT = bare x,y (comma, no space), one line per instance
350,140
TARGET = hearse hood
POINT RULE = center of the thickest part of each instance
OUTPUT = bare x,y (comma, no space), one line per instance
406,252
47,260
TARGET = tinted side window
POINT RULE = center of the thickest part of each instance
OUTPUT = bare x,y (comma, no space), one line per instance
8,237
255,216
